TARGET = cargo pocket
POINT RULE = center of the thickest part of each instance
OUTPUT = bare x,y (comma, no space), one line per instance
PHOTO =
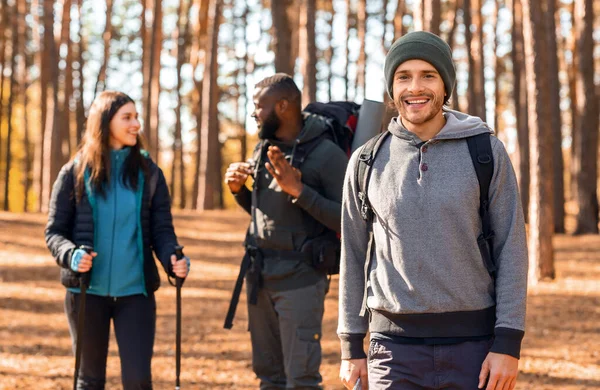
378,352
372,346
309,352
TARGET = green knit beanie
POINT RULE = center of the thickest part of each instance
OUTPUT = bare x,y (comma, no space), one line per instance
421,45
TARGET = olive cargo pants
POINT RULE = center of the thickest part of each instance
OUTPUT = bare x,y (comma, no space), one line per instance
285,330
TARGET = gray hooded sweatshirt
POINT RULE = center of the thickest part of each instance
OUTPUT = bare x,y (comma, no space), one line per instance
427,278
284,224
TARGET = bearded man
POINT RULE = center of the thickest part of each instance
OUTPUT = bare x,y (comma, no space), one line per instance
292,207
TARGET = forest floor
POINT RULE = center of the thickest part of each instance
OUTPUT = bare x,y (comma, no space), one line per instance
561,349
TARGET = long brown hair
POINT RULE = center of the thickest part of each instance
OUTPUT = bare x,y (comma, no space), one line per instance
94,151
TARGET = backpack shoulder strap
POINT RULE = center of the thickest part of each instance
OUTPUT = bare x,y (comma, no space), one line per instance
367,155
480,148
368,152
301,151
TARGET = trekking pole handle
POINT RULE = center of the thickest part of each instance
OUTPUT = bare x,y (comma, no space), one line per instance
85,276
179,252
179,255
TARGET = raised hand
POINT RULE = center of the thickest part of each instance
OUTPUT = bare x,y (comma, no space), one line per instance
288,177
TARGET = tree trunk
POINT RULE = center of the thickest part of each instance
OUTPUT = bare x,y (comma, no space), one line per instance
40,59
398,25
182,43
25,9
79,105
282,36
52,153
432,17
349,25
498,69
329,53
454,23
476,91
585,157
520,102
198,156
106,36
384,22
555,120
151,110
11,100
247,68
572,74
308,51
200,42
468,39
361,63
66,80
145,34
4,21
210,160
541,226
418,17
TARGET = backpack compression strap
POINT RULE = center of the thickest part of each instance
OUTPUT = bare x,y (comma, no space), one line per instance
480,148
363,173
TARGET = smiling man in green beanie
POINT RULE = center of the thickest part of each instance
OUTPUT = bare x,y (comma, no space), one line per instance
434,256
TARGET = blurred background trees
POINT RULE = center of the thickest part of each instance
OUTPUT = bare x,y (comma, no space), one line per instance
530,68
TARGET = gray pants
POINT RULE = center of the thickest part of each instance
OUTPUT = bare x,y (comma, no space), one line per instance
285,329
414,367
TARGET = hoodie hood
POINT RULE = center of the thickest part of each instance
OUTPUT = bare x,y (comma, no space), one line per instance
458,126
314,127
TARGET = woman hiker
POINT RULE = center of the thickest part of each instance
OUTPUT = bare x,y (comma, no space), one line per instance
113,198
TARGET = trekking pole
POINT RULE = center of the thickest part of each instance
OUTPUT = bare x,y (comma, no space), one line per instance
179,281
84,281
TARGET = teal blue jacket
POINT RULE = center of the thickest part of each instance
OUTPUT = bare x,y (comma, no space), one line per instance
118,269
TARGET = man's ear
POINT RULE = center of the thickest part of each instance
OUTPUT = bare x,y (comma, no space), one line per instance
282,106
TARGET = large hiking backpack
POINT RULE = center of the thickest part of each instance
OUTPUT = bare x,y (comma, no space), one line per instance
341,119
480,149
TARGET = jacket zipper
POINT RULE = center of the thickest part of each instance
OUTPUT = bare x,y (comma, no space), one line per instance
112,243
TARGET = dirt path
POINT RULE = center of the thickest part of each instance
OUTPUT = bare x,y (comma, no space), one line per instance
561,349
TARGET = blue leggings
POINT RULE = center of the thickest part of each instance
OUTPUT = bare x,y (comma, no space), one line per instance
134,319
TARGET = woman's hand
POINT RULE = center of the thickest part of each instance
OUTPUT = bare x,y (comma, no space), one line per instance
181,268
81,261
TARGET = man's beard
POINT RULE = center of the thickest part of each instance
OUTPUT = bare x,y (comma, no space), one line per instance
269,127
435,105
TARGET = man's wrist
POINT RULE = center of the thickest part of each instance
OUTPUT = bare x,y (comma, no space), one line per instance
296,191
507,341
352,346
238,191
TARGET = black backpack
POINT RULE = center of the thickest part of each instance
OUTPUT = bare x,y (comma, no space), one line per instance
341,118
480,149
